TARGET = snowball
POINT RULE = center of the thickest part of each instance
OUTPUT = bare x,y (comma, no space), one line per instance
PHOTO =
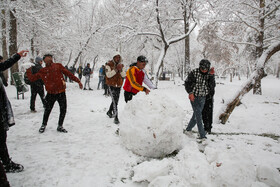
152,125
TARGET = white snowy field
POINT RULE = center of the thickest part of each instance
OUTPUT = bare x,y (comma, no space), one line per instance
243,152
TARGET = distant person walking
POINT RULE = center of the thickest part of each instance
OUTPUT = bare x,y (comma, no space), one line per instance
114,79
135,76
80,72
87,72
52,76
101,77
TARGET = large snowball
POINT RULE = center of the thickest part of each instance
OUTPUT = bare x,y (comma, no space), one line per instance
151,125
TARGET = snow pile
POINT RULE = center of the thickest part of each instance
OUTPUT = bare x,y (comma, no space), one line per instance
148,171
152,125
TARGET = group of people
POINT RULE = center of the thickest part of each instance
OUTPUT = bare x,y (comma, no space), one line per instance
200,85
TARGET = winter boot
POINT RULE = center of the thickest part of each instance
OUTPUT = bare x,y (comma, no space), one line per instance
61,129
12,167
109,113
116,120
42,128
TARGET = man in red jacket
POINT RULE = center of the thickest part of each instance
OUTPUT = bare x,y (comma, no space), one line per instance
135,76
52,76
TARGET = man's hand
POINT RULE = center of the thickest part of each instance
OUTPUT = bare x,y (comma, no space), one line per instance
147,91
23,53
191,97
80,85
120,67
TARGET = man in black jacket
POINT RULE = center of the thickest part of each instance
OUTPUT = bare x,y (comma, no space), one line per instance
197,86
4,80
9,165
37,87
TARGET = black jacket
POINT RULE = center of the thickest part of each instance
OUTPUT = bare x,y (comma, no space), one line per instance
87,71
10,62
200,83
39,83
6,114
4,80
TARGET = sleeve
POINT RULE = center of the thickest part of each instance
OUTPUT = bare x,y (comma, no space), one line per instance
123,73
69,74
189,83
33,77
212,85
148,82
110,72
9,62
130,75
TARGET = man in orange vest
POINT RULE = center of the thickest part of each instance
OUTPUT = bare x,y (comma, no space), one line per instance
135,77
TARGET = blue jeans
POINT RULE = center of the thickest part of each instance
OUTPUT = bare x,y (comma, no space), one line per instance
197,106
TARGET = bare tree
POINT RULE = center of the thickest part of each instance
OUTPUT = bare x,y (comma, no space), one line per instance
257,75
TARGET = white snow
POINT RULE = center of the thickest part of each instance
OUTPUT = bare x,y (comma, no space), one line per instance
143,129
242,152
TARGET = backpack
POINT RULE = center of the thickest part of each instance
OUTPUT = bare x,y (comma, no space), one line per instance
25,78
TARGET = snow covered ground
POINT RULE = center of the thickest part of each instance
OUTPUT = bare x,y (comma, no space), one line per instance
244,152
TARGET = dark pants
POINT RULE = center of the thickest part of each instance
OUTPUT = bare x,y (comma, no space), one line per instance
80,76
106,89
34,91
128,96
115,94
50,100
3,178
207,113
197,105
4,154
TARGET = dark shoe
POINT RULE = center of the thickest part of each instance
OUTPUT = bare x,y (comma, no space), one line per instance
89,89
12,167
85,89
61,129
116,120
33,111
42,128
109,113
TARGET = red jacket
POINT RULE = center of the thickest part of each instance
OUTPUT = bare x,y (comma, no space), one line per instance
134,80
52,77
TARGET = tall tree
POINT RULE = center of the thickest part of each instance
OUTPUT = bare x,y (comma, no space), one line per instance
13,37
4,35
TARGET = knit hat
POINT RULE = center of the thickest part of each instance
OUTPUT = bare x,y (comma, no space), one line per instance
204,64
142,59
38,59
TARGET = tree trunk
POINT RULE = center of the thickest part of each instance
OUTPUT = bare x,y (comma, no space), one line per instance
257,87
187,64
13,40
257,75
4,38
